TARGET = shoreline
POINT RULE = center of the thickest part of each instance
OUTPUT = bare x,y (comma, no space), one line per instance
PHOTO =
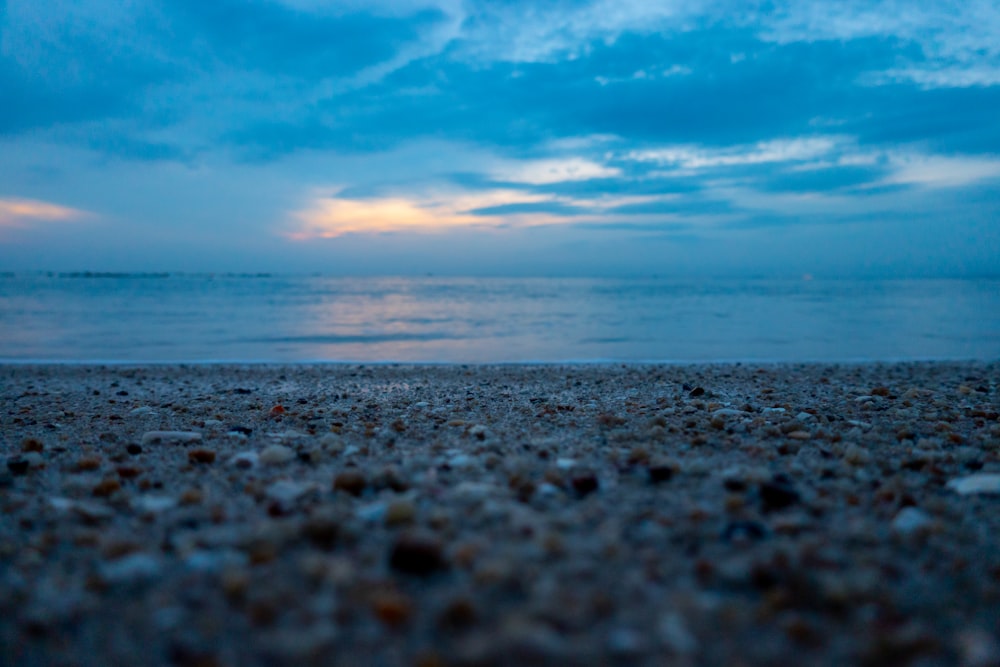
470,514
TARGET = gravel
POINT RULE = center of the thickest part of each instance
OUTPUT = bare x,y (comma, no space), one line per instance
500,515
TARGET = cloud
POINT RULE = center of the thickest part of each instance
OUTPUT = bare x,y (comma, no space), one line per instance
555,170
776,150
24,212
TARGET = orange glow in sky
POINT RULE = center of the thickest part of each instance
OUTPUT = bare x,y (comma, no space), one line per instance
17,212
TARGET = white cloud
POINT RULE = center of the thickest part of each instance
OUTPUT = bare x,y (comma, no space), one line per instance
779,150
938,171
555,170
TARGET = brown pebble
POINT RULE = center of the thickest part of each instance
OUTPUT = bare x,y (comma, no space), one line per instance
201,456
128,472
400,512
880,391
191,497
107,487
393,609
276,411
87,463
350,481
417,555
32,445
800,435
459,614
322,530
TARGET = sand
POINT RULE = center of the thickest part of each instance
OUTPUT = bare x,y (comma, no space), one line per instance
500,515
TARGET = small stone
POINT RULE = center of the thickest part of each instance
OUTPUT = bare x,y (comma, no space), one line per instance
142,411
201,456
880,391
32,445
744,531
662,470
696,392
106,488
800,435
133,568
988,483
191,497
276,411
34,459
276,455
417,555
584,483
857,456
87,463
18,465
287,492
400,512
154,504
391,608
350,481
245,460
459,614
175,437
911,521
778,493
133,449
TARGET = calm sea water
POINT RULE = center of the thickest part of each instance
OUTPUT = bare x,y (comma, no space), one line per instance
198,318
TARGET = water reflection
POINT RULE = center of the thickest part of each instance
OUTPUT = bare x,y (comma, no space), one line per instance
278,318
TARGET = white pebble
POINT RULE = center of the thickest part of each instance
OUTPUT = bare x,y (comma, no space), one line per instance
170,436
153,504
284,491
978,483
135,567
910,521
245,460
276,455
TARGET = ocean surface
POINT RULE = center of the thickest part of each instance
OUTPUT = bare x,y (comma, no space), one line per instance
86,317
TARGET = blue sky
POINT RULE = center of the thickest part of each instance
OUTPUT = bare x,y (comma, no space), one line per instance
451,137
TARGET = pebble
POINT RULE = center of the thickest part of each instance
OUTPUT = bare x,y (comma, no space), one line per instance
18,465
662,470
132,568
778,493
201,456
245,460
153,504
584,483
910,521
800,435
400,512
179,437
143,411
350,481
287,492
276,455
987,483
418,555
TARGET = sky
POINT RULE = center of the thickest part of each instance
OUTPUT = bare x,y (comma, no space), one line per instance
451,137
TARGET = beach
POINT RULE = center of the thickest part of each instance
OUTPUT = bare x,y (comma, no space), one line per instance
593,514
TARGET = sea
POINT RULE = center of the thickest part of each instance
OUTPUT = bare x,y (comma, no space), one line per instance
206,318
